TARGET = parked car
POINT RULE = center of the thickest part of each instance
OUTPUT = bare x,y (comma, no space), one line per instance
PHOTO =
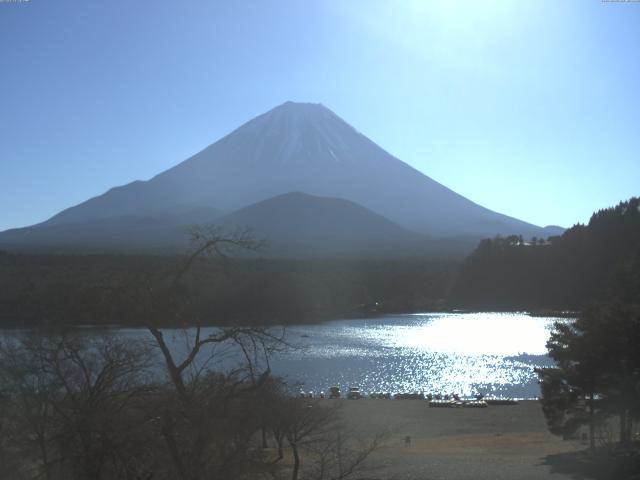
354,394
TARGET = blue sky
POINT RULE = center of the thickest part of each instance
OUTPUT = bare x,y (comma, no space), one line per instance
530,108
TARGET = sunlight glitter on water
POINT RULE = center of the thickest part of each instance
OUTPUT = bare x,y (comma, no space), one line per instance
473,334
439,353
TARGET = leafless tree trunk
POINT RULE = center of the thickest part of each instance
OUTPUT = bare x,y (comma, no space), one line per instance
296,460
202,408
306,420
592,439
339,453
343,455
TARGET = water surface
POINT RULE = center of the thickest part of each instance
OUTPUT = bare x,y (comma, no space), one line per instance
464,353
490,353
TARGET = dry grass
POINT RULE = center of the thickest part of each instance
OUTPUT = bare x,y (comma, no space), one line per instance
498,442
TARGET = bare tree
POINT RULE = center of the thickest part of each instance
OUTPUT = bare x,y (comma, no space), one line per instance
28,390
341,453
306,423
208,427
334,452
272,405
68,395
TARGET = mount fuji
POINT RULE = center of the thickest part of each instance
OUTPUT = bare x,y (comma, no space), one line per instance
295,147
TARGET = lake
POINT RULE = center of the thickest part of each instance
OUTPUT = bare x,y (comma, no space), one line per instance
464,353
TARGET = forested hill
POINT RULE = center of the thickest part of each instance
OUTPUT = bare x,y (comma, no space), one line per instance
586,264
57,290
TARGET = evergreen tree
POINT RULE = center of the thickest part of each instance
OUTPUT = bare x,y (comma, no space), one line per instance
597,373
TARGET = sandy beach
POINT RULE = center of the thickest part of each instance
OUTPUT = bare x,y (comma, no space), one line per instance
497,442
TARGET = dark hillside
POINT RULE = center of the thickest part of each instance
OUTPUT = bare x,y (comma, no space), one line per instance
113,289
567,272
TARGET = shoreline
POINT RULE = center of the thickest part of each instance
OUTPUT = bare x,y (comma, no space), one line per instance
568,314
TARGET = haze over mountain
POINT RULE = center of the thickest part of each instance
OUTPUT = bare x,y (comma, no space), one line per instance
157,232
295,147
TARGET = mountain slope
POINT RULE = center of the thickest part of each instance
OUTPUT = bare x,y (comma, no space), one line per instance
305,148
155,232
301,224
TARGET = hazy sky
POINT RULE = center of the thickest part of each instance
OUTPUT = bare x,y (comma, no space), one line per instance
530,108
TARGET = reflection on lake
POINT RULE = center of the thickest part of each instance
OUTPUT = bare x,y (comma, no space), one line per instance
464,353
492,353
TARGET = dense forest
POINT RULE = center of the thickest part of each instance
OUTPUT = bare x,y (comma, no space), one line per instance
584,265
111,289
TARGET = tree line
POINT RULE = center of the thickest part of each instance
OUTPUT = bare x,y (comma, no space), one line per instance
98,289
